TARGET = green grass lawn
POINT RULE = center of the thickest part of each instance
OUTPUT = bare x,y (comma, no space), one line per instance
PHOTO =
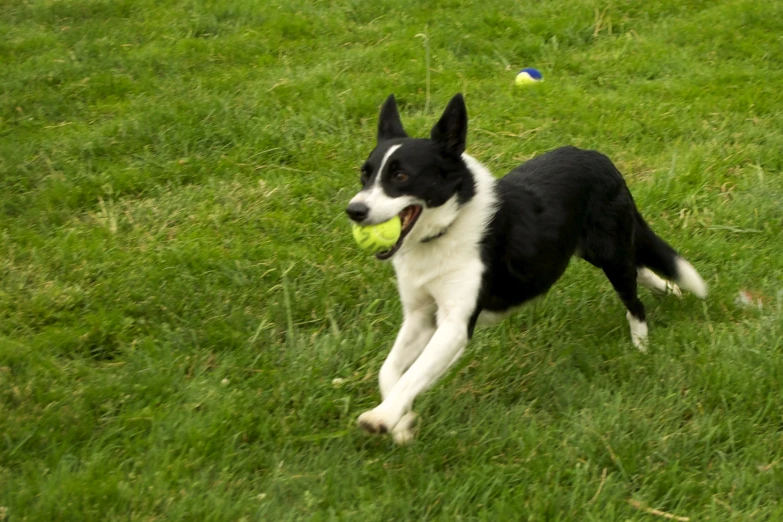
179,287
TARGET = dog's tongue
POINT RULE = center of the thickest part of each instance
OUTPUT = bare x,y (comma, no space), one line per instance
407,214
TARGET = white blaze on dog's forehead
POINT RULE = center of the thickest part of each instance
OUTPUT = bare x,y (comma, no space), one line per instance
383,162
388,153
376,186
368,193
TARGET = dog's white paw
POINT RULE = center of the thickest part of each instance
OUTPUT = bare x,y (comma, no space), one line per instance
374,421
638,332
656,284
405,430
640,342
673,289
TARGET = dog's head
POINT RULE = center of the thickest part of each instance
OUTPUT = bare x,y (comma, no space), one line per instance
413,178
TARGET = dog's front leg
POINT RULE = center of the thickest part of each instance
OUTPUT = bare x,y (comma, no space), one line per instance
443,349
416,331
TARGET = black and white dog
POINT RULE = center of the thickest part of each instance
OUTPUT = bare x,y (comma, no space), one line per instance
474,247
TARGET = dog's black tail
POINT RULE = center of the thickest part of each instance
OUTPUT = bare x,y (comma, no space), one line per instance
656,254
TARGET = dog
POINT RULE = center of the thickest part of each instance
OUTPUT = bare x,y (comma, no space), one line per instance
473,247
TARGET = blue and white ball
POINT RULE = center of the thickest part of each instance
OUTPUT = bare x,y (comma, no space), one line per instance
528,76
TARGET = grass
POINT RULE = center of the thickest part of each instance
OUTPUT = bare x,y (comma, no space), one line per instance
179,289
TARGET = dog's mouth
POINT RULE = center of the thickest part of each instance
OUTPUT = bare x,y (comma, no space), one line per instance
408,217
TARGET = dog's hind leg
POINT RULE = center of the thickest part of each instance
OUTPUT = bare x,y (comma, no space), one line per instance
652,281
653,253
610,245
623,279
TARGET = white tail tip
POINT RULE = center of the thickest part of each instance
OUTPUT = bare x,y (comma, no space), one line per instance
689,279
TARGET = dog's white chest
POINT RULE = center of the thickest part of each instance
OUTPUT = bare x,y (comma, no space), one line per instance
445,272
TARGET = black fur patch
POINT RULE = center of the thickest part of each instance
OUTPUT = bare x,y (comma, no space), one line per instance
565,202
434,169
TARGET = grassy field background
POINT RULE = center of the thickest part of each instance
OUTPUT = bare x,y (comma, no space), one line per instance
179,288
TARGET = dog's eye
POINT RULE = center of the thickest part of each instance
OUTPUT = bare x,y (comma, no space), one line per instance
400,177
365,173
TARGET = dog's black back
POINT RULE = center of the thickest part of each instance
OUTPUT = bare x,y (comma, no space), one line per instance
566,202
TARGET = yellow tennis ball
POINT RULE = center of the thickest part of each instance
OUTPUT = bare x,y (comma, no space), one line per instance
528,76
380,237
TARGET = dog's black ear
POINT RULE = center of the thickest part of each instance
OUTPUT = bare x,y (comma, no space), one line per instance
389,123
452,129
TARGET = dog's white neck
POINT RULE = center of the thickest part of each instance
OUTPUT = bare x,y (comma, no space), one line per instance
465,224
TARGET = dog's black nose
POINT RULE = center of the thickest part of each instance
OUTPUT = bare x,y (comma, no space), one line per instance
357,211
